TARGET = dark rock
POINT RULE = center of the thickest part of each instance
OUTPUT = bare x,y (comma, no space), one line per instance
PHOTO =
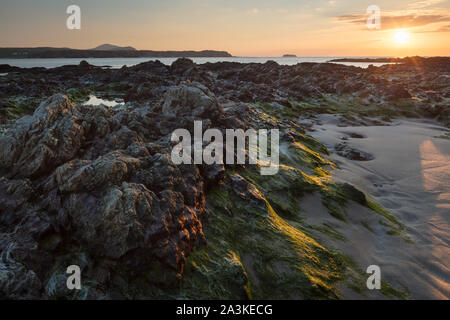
396,91
39,143
181,65
85,65
100,188
344,150
191,100
213,173
355,135
6,68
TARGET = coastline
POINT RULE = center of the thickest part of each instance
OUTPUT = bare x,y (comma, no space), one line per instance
344,197
129,62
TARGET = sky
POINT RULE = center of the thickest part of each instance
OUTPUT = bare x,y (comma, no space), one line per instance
252,28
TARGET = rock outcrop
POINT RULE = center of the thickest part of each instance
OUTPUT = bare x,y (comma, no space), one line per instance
94,186
90,179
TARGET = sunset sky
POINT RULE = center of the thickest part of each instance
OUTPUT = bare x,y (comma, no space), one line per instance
241,27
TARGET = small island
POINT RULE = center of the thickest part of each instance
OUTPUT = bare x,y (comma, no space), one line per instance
289,56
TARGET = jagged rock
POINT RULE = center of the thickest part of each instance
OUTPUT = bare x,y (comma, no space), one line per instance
18,252
85,65
38,143
182,65
5,68
57,286
16,281
396,91
79,176
152,67
96,185
13,194
213,173
191,99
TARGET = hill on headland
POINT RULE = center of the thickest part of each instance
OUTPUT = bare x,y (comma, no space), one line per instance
111,47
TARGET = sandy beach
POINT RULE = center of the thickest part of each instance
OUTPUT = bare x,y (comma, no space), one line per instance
410,177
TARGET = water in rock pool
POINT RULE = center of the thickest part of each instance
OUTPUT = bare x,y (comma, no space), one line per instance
96,101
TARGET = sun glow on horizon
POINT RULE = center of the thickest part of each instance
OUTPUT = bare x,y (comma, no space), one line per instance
401,37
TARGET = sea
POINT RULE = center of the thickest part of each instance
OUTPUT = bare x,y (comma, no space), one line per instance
120,62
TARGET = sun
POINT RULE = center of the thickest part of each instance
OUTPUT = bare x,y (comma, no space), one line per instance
401,37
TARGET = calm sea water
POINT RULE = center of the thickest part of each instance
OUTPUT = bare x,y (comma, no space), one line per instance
119,62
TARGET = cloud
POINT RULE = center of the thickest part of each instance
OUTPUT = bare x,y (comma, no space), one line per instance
440,29
424,4
389,21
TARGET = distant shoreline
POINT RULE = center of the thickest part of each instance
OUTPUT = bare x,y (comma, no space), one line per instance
388,59
55,53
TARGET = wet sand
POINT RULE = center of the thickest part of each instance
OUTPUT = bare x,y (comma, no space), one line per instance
410,177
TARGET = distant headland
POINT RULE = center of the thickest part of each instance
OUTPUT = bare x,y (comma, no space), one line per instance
289,56
104,51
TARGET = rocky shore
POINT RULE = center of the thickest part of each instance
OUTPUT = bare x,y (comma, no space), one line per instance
94,186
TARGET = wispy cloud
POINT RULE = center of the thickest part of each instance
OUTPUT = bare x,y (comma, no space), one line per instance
424,4
438,30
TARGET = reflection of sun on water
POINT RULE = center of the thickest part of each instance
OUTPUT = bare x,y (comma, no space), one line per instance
401,37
